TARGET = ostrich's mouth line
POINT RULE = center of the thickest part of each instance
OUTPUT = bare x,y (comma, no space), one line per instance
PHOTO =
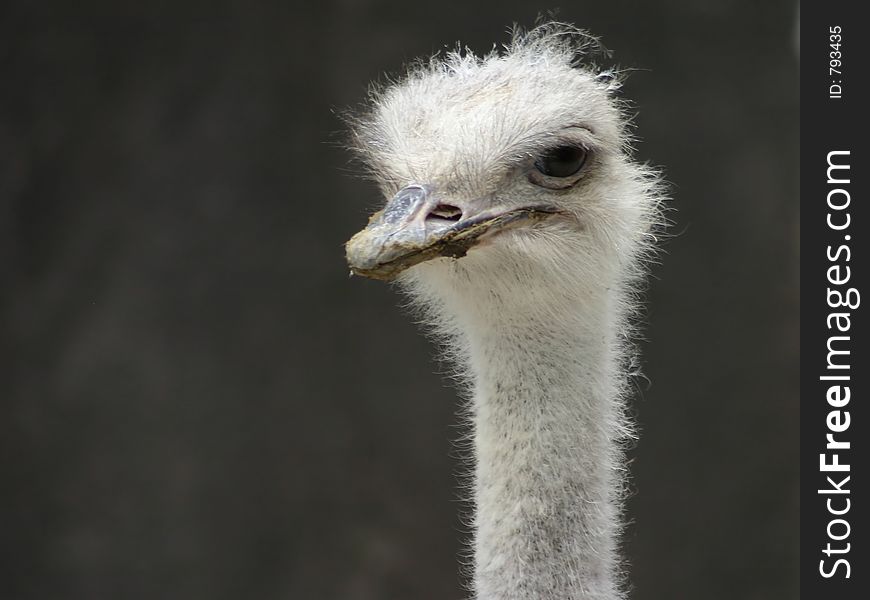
382,250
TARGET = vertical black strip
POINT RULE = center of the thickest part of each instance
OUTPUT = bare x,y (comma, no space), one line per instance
835,223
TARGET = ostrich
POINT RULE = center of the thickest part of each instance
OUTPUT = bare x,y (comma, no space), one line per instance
519,225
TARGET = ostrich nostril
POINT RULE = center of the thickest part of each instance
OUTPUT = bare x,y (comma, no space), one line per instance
446,212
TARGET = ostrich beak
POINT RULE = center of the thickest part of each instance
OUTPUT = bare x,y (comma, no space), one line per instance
415,227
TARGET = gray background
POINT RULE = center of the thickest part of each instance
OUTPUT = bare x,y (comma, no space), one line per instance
198,403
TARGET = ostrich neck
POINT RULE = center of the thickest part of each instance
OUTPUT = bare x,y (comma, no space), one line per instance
546,417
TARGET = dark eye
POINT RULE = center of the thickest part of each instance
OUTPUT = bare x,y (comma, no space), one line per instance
562,161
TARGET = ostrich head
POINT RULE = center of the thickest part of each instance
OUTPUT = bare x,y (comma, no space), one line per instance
518,163
517,220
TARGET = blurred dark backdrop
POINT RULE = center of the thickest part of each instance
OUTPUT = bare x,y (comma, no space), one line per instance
195,399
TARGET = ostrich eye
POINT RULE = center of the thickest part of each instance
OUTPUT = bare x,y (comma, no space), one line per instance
562,161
